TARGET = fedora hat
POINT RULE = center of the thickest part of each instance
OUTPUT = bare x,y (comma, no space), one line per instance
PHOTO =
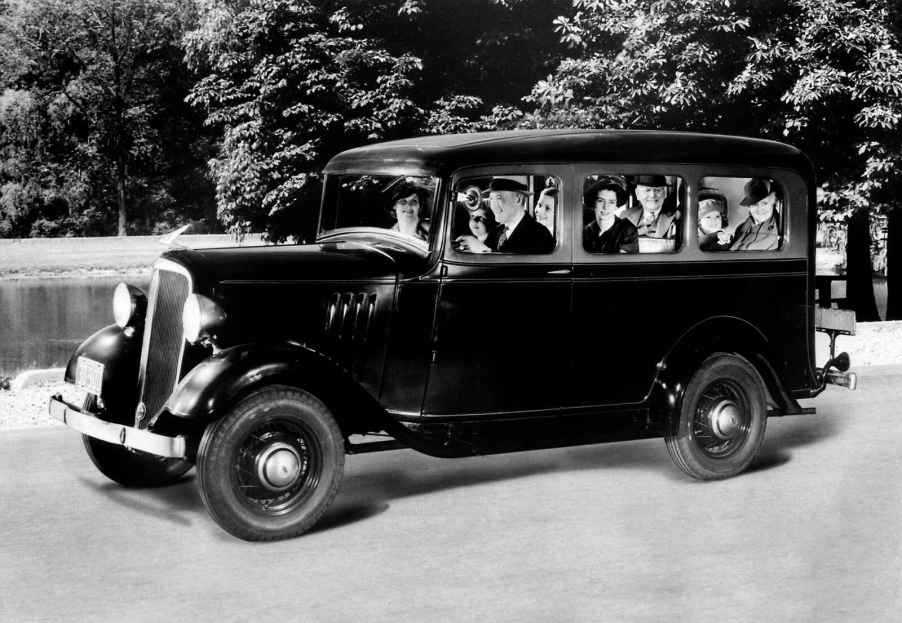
505,183
756,189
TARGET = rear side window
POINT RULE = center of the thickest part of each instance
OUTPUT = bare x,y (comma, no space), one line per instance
740,214
632,213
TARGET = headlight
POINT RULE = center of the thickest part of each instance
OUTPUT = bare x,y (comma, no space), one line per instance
129,305
201,317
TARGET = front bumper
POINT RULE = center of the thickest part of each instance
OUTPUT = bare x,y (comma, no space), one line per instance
117,434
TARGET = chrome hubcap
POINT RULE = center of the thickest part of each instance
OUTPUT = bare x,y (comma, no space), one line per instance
726,419
278,466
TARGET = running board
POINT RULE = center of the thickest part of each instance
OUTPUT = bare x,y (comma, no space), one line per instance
796,411
373,446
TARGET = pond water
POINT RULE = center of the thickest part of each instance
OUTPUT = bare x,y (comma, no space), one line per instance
42,321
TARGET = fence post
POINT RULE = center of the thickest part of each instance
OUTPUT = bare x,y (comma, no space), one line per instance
860,284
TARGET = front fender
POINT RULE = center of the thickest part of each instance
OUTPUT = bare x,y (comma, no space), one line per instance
119,350
212,387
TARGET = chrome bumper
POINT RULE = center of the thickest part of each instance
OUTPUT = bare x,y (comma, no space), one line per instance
128,436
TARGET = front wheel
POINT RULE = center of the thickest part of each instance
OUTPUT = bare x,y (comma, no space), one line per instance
721,421
270,468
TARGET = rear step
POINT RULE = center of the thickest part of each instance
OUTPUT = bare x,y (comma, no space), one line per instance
843,379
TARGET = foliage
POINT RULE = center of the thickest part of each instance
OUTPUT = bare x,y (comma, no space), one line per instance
93,116
825,75
489,49
96,134
290,85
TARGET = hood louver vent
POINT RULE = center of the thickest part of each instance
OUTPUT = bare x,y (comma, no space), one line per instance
349,317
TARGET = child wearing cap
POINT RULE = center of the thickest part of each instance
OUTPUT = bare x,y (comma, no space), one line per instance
711,236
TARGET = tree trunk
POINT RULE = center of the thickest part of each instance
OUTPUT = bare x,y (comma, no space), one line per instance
894,265
860,284
120,192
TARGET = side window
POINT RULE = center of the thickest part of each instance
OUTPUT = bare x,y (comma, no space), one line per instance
506,214
632,213
740,214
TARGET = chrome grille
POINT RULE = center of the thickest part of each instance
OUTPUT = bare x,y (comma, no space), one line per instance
161,353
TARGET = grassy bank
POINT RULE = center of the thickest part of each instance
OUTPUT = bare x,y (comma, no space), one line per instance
35,258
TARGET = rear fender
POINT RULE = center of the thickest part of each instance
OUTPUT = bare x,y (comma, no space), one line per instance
212,387
724,334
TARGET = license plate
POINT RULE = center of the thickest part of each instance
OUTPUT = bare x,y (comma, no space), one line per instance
89,375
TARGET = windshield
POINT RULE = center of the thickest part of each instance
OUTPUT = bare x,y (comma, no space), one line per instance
400,204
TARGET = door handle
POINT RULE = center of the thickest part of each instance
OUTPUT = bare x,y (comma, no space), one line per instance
560,271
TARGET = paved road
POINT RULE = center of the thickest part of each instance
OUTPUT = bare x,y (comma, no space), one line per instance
611,532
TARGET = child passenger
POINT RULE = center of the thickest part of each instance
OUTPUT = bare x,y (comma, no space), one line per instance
711,236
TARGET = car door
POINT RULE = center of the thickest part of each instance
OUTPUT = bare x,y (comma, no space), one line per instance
502,331
629,304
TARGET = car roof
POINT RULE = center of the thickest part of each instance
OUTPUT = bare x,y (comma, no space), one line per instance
439,155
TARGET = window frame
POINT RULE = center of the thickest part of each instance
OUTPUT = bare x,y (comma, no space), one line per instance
562,252
582,173
784,213
435,216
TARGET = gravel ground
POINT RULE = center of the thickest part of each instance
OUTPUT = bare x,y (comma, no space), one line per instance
876,343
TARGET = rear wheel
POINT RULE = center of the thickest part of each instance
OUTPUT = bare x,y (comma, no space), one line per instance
721,421
271,467
131,468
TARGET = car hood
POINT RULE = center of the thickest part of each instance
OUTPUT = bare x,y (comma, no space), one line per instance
340,260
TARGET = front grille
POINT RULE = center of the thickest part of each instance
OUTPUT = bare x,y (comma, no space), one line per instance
161,353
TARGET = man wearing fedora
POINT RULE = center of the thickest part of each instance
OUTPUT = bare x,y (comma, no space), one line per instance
761,230
648,217
518,231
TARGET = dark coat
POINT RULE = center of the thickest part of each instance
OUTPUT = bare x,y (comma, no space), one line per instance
528,236
621,237
711,242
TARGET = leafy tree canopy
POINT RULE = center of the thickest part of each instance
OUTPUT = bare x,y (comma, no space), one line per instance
290,84
825,75
94,115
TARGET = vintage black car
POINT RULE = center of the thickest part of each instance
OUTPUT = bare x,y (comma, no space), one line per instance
472,294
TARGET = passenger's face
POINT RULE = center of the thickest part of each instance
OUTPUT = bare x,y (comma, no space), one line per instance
764,209
651,197
505,205
408,208
479,221
545,210
605,204
711,222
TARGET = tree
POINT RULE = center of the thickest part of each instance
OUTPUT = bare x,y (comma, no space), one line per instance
289,85
825,75
105,77
488,49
